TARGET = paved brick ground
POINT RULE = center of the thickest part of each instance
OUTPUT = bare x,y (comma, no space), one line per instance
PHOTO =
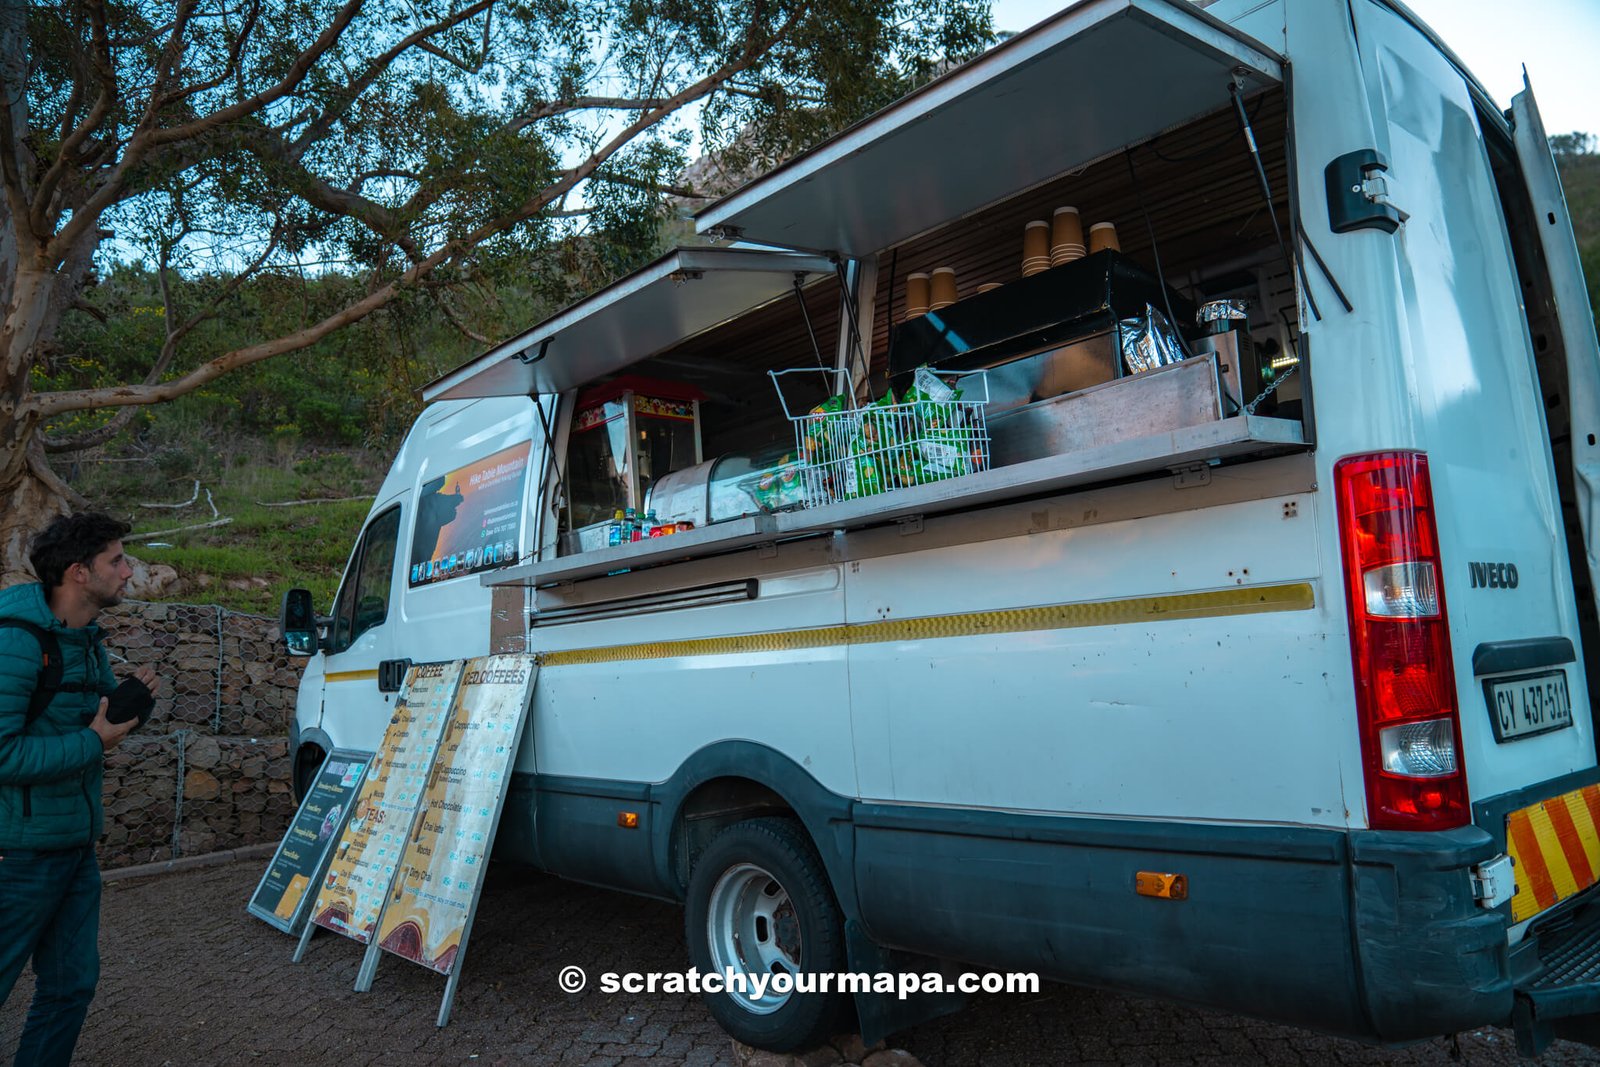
190,979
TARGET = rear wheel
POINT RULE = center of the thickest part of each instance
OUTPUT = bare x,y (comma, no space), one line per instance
759,904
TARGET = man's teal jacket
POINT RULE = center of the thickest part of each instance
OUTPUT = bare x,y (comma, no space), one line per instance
51,770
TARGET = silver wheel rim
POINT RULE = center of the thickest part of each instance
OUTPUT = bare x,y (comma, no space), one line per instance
752,929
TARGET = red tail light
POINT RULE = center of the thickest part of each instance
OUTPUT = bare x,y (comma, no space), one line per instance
1400,644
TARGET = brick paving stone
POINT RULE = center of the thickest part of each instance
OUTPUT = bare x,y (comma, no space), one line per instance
189,979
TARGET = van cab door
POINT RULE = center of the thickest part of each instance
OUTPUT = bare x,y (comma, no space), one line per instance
1571,301
360,641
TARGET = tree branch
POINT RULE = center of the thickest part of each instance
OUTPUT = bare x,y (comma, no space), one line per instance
89,309
149,136
483,50
67,154
582,103
16,161
465,330
649,187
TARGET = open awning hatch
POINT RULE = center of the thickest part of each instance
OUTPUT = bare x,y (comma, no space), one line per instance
1100,75
675,298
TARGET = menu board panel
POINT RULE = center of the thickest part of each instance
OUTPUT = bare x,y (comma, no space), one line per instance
281,897
350,897
441,869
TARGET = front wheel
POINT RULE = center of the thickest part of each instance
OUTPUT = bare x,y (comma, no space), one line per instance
760,907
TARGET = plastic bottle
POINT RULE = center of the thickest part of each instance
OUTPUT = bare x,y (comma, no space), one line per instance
630,531
614,533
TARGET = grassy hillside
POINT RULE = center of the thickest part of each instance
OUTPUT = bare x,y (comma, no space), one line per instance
247,563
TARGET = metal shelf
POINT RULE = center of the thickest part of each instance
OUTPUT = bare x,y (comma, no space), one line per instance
1170,450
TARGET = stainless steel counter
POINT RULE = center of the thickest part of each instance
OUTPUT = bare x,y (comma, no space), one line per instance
1174,450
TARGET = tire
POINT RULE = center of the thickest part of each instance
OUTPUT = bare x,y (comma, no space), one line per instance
759,901
306,764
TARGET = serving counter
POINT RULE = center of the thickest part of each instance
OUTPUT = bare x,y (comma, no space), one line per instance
1184,451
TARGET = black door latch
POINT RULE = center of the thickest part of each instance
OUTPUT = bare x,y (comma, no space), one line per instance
1358,196
392,674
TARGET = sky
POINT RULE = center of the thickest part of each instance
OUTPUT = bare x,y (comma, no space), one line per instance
1559,40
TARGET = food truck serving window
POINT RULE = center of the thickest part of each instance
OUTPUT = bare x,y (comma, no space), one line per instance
627,434
471,518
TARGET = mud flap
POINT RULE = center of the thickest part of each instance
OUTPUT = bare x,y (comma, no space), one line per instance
882,1014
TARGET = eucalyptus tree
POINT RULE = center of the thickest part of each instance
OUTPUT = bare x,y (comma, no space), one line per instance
406,143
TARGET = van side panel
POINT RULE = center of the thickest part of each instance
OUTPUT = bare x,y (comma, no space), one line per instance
1139,687
631,698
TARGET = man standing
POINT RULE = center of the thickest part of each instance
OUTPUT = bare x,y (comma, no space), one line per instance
51,765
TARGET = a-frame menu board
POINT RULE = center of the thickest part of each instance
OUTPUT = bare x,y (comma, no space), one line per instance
283,895
431,905
350,898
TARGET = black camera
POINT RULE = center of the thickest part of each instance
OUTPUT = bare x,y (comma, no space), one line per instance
130,700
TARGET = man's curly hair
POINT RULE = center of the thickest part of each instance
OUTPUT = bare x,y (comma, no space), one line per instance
72,539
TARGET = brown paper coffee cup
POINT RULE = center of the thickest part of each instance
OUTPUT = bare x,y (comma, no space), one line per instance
1066,228
1036,240
1103,235
916,295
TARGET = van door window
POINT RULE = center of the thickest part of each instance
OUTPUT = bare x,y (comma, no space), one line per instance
363,600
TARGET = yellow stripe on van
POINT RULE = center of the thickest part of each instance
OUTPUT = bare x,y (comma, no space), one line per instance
352,676
1555,847
1240,601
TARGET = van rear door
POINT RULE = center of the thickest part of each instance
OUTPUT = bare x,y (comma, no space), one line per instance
1571,300
1506,582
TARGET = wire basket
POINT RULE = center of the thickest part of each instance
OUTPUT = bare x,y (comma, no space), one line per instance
849,453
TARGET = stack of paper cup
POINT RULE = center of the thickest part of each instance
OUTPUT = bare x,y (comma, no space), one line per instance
942,288
1066,236
916,295
1035,248
1103,235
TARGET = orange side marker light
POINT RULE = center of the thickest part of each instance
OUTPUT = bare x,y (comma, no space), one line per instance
1161,884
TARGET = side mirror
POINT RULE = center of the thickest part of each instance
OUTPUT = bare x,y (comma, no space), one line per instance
298,622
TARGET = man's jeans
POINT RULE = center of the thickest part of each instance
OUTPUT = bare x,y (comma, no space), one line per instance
50,911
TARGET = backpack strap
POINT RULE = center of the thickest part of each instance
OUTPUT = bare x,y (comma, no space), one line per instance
50,669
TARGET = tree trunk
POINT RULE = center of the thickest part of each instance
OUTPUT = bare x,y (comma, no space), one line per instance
34,497
30,492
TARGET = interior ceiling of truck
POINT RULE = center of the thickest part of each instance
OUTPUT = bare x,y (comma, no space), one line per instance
729,364
1198,182
1096,76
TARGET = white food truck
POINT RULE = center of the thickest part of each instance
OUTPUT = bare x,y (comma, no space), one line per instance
1212,619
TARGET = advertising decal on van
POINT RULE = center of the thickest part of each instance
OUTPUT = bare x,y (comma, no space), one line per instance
471,518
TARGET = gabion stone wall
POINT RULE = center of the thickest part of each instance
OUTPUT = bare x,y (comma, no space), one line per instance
210,770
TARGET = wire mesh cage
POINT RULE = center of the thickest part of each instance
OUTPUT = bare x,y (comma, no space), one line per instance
210,768
937,431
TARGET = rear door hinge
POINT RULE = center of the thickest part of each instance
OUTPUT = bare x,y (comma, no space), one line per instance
1191,476
1494,882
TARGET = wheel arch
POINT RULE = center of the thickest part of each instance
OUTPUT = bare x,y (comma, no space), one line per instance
313,744
730,781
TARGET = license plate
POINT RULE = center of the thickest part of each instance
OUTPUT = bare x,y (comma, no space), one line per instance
1528,705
